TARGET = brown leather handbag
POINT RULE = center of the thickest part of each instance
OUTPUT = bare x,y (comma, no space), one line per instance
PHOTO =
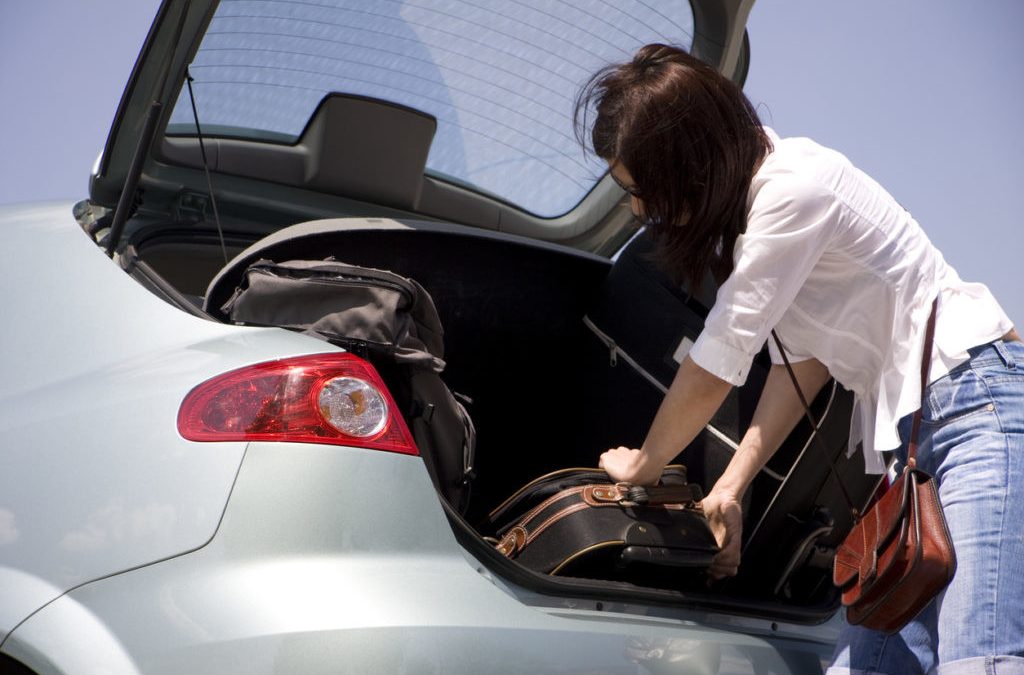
899,555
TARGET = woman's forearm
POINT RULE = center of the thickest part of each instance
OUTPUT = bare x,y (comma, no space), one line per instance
689,404
778,411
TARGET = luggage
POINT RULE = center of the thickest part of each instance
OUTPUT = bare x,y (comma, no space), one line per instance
385,318
576,522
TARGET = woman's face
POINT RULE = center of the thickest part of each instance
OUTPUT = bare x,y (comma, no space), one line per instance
620,174
625,181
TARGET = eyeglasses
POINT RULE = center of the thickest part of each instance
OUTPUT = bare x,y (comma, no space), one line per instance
632,191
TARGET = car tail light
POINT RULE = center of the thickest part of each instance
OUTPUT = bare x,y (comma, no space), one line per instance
324,398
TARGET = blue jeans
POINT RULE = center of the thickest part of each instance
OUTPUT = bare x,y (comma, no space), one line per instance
972,441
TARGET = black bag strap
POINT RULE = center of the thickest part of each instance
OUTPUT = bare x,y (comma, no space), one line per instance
814,427
929,338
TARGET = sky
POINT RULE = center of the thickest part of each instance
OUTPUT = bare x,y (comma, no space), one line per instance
924,95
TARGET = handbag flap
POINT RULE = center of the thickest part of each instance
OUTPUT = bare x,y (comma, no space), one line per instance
861,553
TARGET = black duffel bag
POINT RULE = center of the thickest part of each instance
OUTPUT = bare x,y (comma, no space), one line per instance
386,318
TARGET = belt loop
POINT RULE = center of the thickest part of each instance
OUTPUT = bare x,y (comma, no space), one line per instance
1004,354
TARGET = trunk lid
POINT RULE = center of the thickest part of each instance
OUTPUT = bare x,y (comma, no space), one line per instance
454,111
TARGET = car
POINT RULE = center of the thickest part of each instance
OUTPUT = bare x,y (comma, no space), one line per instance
433,140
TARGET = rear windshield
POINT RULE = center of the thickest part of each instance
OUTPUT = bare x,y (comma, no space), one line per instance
500,76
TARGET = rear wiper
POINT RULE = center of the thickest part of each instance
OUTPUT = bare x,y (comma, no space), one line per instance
126,202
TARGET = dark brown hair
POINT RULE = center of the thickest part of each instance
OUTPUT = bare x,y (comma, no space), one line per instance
691,141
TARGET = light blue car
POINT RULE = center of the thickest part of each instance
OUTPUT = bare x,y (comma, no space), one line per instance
432,138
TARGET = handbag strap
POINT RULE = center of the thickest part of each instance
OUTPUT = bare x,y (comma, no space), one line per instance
929,338
926,362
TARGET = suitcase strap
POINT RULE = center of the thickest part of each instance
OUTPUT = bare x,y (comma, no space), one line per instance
663,494
624,495
628,494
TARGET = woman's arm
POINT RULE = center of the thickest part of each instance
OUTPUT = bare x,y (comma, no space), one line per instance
688,406
778,411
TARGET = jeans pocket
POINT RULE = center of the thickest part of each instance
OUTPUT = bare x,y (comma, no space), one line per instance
956,398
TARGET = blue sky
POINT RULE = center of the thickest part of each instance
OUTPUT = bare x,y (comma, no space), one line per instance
925,95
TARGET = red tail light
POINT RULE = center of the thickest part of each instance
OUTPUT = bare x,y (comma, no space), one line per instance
324,398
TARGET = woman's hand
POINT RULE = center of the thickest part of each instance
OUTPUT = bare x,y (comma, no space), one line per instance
627,465
725,516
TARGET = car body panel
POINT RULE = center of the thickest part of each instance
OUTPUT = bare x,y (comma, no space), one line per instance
343,577
94,478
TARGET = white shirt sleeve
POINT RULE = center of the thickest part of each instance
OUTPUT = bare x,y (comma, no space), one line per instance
790,222
776,357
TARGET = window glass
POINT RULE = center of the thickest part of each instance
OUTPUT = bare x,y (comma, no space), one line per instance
500,76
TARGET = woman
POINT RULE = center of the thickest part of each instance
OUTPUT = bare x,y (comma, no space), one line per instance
802,242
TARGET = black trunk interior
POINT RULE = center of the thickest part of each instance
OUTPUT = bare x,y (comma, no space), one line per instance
548,393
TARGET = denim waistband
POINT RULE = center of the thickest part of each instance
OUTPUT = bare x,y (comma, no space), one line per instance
997,353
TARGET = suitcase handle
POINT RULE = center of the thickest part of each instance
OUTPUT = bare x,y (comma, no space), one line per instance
663,494
667,557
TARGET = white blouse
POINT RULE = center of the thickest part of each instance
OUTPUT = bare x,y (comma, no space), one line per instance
845,275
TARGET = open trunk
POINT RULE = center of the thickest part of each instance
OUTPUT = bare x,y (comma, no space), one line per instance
564,354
